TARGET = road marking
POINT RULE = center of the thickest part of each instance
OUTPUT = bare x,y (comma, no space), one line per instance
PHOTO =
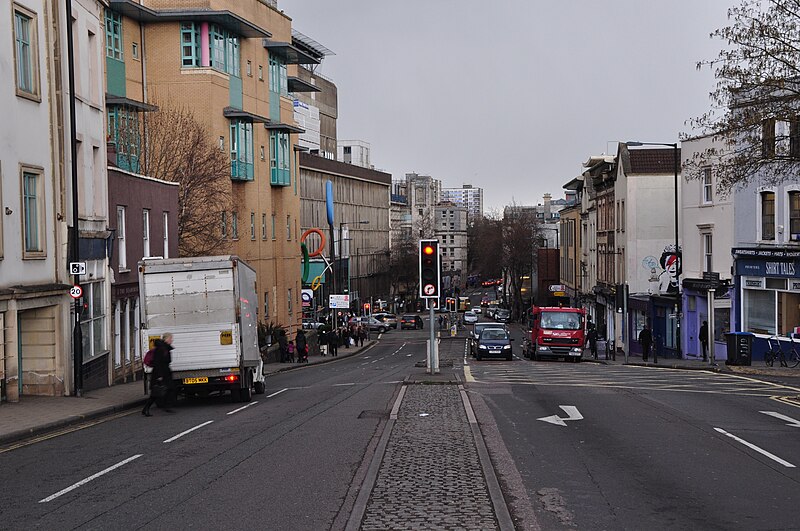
468,374
396,406
90,478
374,361
756,448
343,384
572,414
788,400
277,392
190,430
379,336
408,355
243,407
789,420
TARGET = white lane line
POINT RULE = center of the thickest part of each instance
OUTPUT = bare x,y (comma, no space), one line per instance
789,420
756,448
190,430
408,355
343,384
243,407
375,361
277,392
90,478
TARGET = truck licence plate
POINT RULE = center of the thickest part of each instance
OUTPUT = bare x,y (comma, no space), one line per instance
200,380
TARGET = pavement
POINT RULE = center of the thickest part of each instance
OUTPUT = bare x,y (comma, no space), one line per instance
46,416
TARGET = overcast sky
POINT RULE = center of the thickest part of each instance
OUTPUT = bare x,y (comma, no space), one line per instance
511,95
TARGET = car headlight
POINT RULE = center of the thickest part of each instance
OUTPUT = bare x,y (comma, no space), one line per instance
482,346
576,349
507,346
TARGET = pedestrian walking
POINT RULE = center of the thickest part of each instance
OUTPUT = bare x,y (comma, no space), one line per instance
322,335
441,322
283,346
302,343
346,337
592,337
290,351
703,336
161,386
646,340
333,343
362,335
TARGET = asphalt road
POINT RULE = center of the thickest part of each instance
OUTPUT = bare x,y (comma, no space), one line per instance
648,449
292,459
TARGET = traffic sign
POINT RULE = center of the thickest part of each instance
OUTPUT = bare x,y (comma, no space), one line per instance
429,289
77,268
558,287
339,301
75,292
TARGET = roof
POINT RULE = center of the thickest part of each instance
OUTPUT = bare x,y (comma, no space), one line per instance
335,167
653,161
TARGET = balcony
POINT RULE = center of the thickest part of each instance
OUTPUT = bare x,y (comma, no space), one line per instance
241,171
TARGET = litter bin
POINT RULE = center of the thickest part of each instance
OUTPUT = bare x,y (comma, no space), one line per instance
740,348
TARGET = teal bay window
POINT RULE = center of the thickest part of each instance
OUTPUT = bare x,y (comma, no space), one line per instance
277,76
190,44
241,150
114,35
124,134
223,52
279,159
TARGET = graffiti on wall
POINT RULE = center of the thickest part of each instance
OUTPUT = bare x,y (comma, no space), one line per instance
664,271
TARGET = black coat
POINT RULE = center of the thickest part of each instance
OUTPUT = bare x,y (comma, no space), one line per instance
301,341
646,337
162,357
704,334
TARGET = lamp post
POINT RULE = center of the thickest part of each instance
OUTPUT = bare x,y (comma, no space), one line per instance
678,256
341,246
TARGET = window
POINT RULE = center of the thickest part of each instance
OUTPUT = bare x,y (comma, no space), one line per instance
266,305
273,226
708,251
146,233
223,50
759,311
135,50
794,216
190,44
234,226
277,77
289,300
261,153
26,53
241,143
263,226
279,159
252,225
33,213
92,320
249,68
780,138
260,73
288,227
222,143
166,235
224,225
767,215
113,35
708,186
122,247
124,134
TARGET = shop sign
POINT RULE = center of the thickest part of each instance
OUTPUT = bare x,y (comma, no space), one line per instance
769,268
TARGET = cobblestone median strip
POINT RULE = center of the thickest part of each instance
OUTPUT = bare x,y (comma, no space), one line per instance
430,476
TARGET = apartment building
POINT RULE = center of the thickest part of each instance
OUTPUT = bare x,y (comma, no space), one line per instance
230,62
451,231
355,152
468,196
423,193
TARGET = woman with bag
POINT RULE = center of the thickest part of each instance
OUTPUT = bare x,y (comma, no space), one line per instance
161,386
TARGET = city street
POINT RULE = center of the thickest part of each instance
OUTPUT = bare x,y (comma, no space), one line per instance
287,460
640,447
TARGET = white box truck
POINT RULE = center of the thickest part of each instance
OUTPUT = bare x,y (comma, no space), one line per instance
209,305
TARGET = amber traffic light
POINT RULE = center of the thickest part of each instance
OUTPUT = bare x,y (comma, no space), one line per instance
429,281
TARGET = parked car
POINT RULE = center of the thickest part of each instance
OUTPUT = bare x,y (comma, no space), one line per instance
475,334
502,315
494,342
373,324
411,321
312,324
470,317
389,319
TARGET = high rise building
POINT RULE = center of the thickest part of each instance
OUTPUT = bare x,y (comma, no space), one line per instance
468,196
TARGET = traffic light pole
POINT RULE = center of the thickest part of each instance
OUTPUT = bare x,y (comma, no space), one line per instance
433,351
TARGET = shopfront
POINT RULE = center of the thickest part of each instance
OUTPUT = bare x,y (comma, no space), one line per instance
767,293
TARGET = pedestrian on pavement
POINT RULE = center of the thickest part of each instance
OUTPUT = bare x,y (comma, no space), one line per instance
441,322
290,351
362,335
592,337
333,343
346,337
283,346
646,340
703,336
302,343
161,386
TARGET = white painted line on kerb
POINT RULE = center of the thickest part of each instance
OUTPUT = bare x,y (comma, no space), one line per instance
277,392
397,402
243,407
190,430
756,448
90,478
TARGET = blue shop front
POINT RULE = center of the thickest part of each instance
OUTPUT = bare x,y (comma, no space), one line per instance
766,294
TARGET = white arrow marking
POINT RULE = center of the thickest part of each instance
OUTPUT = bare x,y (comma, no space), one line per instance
572,414
789,420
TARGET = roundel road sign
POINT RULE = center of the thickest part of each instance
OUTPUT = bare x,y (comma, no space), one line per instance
429,289
75,292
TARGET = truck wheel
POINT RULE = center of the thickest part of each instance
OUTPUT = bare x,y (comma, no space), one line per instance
236,393
246,394
260,388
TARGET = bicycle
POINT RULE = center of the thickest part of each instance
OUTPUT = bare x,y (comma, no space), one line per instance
772,353
794,355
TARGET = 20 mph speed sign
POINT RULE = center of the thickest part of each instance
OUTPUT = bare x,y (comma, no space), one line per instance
429,289
75,292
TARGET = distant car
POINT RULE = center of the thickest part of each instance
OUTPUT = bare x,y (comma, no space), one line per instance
411,321
371,323
470,317
502,315
490,311
311,324
475,334
477,310
389,319
494,342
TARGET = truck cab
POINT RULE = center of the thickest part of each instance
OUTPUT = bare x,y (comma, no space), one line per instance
556,333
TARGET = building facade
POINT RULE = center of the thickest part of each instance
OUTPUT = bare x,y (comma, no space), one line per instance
355,152
451,231
468,196
423,193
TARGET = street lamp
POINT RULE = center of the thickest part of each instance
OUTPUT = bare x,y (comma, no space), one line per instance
341,245
678,254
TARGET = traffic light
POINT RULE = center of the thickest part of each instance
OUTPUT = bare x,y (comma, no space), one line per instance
429,279
366,308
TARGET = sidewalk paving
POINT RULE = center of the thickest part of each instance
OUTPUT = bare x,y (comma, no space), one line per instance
38,415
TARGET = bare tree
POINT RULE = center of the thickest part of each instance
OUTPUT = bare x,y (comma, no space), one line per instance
755,101
403,267
485,247
178,148
520,232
